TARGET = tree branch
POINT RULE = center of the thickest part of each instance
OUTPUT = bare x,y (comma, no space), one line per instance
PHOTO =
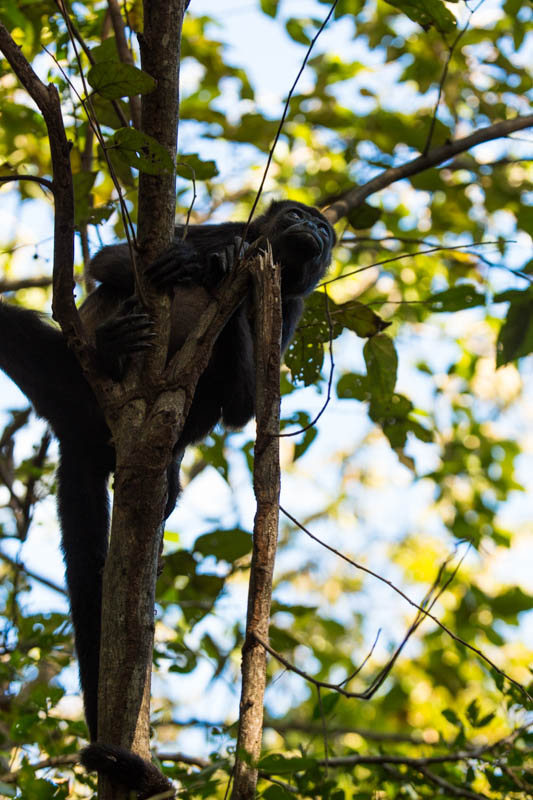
24,283
33,575
266,488
47,100
355,197
43,182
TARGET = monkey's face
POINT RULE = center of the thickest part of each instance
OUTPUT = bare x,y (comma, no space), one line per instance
302,240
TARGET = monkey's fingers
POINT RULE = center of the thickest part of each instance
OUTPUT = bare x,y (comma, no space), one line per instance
178,265
122,330
221,262
241,247
137,321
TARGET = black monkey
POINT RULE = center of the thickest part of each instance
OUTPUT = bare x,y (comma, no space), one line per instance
35,355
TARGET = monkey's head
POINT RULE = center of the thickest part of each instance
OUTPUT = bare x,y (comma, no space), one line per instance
302,240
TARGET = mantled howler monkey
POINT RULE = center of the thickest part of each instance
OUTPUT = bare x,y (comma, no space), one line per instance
35,355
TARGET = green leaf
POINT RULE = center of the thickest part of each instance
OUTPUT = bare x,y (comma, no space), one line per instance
428,13
457,298
275,792
191,167
360,319
225,545
282,639
277,764
364,217
107,51
184,661
510,603
213,451
420,432
472,712
353,386
393,407
302,420
141,151
484,720
114,79
305,357
199,595
516,334
452,717
328,703
296,30
270,7
106,114
381,365
120,166
305,354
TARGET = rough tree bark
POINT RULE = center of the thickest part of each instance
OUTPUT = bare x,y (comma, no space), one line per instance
145,422
266,487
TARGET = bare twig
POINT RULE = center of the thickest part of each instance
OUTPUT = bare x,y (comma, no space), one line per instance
285,112
420,608
43,182
46,763
457,791
444,75
402,256
32,575
24,283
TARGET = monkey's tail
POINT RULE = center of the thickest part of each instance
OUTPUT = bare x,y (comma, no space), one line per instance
83,507
126,769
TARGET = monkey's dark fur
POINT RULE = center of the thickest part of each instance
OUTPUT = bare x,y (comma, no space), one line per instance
35,355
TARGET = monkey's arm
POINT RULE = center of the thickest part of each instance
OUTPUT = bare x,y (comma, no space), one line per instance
112,267
184,264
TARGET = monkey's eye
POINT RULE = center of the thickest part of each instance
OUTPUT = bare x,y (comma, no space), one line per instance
295,213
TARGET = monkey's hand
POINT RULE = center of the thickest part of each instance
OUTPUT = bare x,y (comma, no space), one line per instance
119,337
178,266
221,262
